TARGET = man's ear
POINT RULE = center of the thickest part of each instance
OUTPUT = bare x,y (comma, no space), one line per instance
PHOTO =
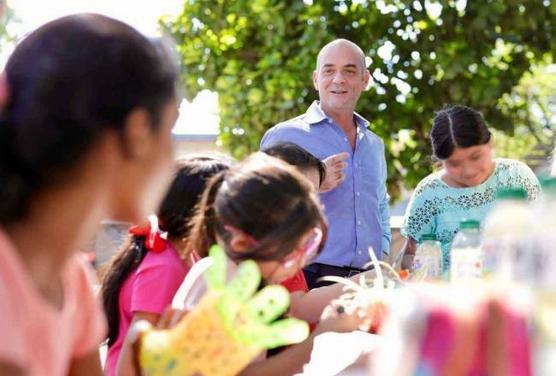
315,82
137,135
366,79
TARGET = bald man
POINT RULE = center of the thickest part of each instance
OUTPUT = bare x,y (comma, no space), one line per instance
355,201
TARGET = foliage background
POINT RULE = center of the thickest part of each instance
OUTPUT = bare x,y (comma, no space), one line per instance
7,17
493,55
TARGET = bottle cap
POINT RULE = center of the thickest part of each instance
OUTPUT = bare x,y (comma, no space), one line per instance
511,194
428,237
469,223
548,185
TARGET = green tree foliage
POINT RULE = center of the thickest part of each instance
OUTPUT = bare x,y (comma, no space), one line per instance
258,55
7,17
533,105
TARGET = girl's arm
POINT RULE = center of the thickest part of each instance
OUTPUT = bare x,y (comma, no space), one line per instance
291,360
126,366
288,362
86,365
308,306
408,252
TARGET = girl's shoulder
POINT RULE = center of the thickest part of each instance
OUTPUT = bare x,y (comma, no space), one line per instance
430,185
168,258
511,167
513,173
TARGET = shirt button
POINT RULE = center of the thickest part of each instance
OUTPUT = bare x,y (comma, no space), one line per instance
358,252
359,223
345,139
357,194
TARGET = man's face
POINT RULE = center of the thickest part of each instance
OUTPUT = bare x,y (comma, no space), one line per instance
340,78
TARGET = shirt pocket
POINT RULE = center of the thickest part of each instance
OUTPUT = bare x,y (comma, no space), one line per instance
367,168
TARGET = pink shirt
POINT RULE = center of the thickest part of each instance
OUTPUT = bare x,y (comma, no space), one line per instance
37,337
150,288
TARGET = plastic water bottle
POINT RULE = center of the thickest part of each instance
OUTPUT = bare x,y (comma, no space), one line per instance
539,273
506,234
428,257
466,255
540,267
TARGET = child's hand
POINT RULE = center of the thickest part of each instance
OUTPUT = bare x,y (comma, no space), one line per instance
366,317
231,325
337,317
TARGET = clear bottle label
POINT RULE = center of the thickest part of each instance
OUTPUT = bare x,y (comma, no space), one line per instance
466,263
432,265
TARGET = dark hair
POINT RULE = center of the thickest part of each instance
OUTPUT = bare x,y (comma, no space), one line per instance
263,197
297,156
457,126
174,214
69,82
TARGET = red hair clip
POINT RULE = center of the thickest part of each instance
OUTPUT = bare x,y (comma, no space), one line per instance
154,240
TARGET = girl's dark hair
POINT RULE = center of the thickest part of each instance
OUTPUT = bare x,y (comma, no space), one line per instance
174,214
297,156
263,197
457,126
69,82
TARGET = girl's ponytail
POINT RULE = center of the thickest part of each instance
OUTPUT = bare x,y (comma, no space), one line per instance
202,234
116,273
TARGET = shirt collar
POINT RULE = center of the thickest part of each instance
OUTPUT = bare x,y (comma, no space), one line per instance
315,115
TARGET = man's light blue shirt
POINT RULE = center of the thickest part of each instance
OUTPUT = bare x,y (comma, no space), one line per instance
357,210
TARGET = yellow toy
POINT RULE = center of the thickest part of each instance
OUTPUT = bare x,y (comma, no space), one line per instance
231,325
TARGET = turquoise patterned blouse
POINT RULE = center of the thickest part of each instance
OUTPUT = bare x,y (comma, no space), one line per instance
436,208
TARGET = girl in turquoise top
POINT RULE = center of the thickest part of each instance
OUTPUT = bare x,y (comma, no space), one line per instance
465,187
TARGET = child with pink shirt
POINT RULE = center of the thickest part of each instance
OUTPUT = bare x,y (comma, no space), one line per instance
141,280
87,105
